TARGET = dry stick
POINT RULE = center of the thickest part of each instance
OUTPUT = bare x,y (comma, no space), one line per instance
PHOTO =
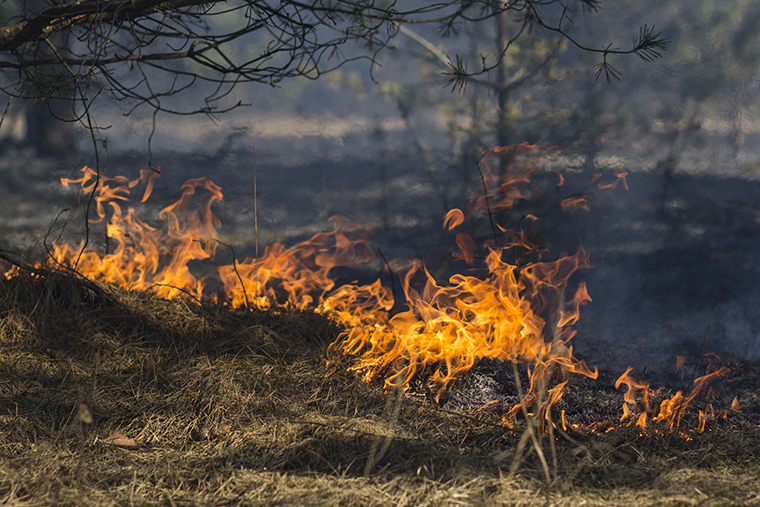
255,224
529,431
374,455
8,105
488,204
255,207
555,340
393,276
94,188
550,427
108,240
682,409
704,339
185,291
44,272
234,266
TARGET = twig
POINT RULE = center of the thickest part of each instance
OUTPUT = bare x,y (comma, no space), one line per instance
234,266
550,427
488,204
43,272
701,347
529,432
393,275
374,455
255,206
95,189
185,291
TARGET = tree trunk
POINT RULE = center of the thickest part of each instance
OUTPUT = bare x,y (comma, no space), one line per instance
45,132
736,135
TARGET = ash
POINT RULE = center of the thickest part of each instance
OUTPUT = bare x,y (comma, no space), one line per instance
490,382
595,403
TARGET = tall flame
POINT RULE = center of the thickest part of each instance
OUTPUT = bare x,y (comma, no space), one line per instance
512,313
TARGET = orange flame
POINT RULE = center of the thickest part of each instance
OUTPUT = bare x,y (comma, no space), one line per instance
504,185
467,246
446,328
620,178
513,313
633,408
146,257
301,271
453,219
672,410
575,203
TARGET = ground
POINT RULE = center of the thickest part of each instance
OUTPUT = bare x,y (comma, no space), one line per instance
114,398
197,405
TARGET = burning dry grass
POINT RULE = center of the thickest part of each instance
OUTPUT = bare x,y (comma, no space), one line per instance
110,397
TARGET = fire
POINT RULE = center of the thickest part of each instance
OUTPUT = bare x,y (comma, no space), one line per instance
575,203
301,271
673,409
447,327
146,257
515,312
633,408
520,308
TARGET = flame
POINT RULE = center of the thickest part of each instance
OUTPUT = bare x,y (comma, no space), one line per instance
520,309
671,410
447,327
575,203
505,185
454,218
467,247
145,257
620,177
513,313
634,408
301,271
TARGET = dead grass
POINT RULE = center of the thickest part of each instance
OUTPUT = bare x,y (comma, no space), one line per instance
115,398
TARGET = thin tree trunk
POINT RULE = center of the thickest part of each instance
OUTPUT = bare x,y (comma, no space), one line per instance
736,136
502,39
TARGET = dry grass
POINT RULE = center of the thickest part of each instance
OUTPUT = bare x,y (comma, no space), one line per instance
115,398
